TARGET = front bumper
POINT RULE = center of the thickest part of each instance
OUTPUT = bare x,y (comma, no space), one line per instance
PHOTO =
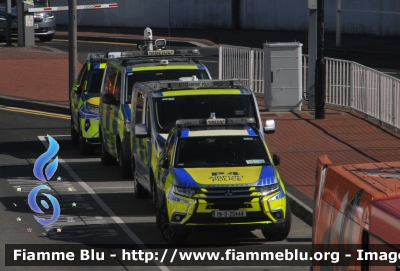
262,212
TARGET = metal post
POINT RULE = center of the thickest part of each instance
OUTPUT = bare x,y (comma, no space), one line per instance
339,24
8,20
235,14
312,56
72,42
320,65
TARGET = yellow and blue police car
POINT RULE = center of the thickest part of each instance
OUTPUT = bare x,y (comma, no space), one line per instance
157,105
121,73
84,103
218,172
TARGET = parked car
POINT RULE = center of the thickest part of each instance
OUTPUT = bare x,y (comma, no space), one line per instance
44,23
218,172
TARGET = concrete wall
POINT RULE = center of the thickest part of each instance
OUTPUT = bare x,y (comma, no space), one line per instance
254,14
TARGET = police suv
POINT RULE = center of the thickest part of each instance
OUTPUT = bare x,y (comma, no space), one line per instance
84,103
218,172
156,106
116,93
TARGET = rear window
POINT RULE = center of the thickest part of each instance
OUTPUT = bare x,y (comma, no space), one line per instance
145,76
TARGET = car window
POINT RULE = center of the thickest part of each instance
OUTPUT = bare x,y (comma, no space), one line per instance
147,117
95,79
117,86
144,76
139,98
221,151
110,80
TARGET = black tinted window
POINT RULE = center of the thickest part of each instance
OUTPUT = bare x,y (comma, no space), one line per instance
96,77
221,151
170,109
145,76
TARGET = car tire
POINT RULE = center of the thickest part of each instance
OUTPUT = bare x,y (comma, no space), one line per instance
74,134
140,191
124,166
106,158
45,38
170,235
281,234
154,193
85,148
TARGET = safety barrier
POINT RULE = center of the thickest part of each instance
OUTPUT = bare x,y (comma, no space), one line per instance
243,63
348,83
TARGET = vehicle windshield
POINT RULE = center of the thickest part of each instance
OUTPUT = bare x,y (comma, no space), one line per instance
170,109
144,76
220,151
94,82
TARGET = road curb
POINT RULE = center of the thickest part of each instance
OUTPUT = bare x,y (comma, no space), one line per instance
34,105
300,209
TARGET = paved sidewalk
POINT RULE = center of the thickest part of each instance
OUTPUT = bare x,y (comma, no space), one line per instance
37,77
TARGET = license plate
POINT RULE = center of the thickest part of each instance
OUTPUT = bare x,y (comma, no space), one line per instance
234,213
36,26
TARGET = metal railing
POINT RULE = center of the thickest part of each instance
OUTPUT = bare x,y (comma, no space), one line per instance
367,90
243,63
348,83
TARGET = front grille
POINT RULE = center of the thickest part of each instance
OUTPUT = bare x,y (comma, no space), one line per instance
208,219
228,203
92,108
14,18
38,19
228,192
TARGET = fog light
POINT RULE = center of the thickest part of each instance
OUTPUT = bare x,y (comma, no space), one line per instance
278,215
178,217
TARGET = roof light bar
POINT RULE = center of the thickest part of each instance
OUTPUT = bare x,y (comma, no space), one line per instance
215,121
198,84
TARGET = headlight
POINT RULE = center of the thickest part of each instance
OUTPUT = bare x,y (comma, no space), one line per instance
48,16
92,108
267,189
184,191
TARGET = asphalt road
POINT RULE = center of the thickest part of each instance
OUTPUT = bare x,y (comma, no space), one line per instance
97,206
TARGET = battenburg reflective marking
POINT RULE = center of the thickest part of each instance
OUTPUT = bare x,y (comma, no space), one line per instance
250,131
185,132
184,178
267,176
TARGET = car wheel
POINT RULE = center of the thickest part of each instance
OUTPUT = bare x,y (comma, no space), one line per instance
106,158
74,134
281,234
85,148
140,191
124,166
45,38
170,235
154,193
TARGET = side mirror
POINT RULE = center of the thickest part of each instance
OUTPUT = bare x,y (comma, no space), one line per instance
77,88
141,130
276,159
110,99
164,163
269,127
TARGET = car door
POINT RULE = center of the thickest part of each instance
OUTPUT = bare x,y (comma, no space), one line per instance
76,93
108,111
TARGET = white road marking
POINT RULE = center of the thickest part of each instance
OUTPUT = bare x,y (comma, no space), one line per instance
102,204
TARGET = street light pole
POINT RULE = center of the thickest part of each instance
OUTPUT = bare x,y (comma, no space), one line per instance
8,21
72,52
320,65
